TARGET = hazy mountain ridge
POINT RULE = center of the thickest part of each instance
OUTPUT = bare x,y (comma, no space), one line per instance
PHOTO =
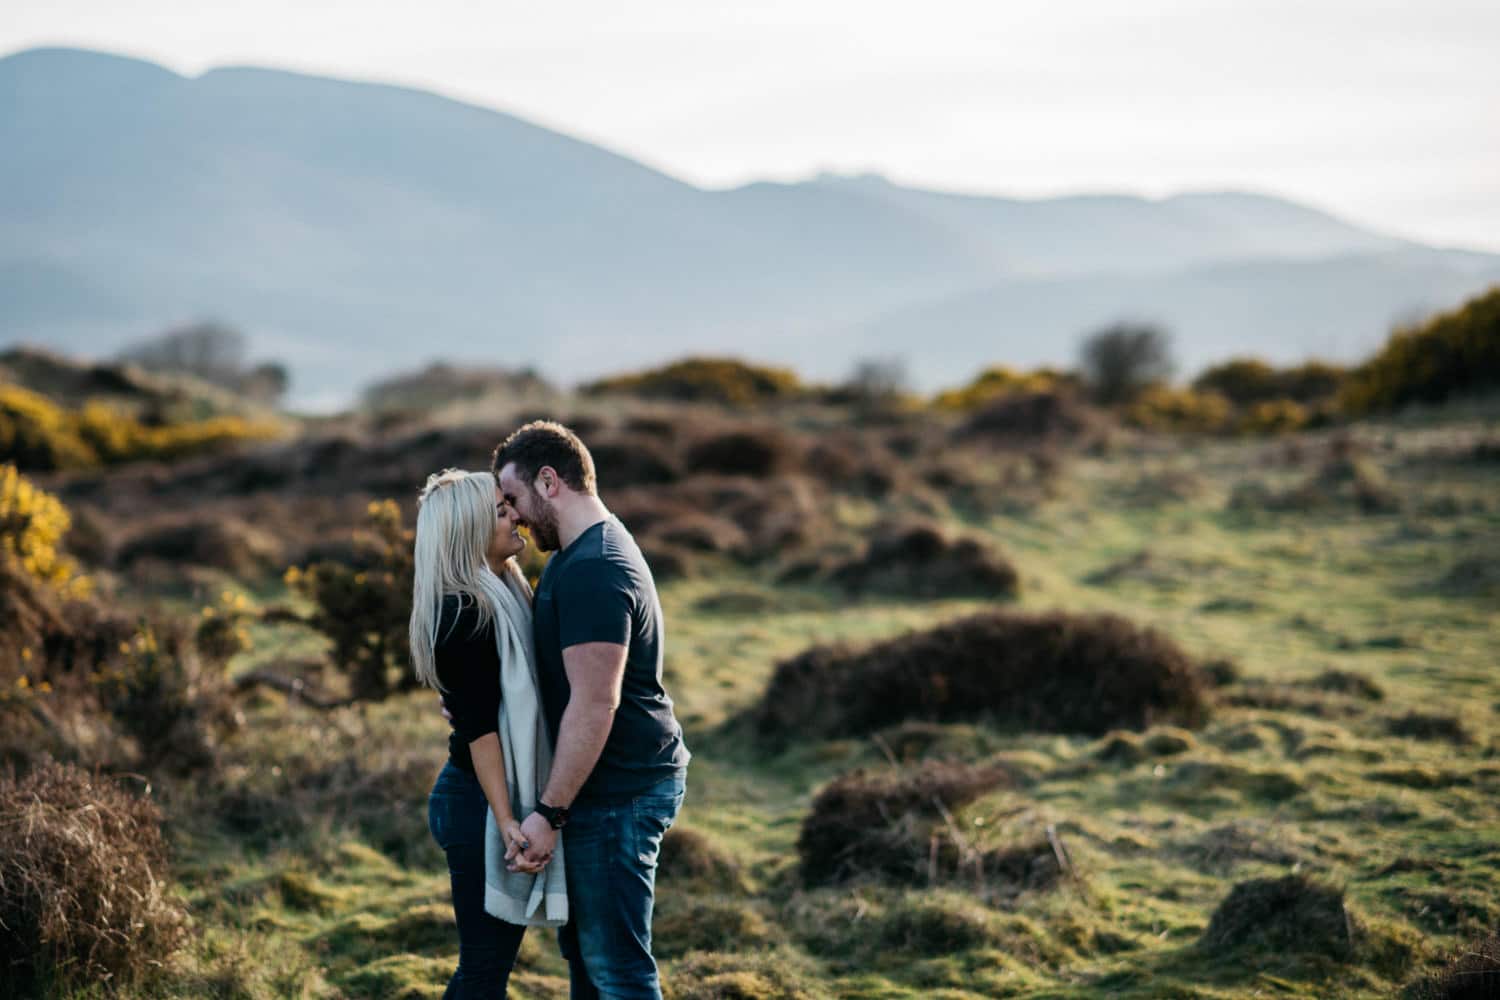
357,228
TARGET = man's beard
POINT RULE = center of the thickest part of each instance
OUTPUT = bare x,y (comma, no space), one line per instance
544,530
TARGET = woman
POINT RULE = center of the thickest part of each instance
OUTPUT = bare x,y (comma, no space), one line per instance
471,639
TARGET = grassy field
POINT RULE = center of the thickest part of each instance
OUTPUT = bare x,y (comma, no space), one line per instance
1354,742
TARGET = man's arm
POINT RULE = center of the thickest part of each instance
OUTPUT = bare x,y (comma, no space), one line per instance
595,672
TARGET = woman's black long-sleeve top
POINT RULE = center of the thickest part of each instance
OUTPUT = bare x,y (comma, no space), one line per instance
468,667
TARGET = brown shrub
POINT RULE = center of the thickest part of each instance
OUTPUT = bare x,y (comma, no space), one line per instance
744,452
882,825
850,463
921,560
221,543
1026,418
634,460
1292,914
1053,672
1430,726
83,894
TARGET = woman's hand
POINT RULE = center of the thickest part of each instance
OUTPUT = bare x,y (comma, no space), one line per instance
515,842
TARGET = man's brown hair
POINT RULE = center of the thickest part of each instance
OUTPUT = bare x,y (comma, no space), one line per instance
545,442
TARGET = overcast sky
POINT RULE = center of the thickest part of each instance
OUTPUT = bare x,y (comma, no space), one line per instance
1387,113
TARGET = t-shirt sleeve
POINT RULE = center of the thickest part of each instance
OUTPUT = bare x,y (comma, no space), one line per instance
595,601
469,664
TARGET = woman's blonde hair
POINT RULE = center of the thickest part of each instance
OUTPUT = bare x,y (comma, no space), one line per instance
455,525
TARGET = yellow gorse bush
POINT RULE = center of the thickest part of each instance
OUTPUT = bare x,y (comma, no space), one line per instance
999,380
32,525
36,433
1455,353
1164,408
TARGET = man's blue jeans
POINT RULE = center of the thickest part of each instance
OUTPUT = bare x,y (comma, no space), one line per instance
487,947
611,850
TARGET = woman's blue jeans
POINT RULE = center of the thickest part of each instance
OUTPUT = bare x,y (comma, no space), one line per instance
611,850
487,947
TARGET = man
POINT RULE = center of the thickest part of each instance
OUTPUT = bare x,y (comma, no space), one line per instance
620,766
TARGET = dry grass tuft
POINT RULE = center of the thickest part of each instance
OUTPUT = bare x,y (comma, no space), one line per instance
1472,973
896,827
83,897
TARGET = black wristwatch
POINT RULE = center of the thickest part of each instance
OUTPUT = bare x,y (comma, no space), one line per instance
557,816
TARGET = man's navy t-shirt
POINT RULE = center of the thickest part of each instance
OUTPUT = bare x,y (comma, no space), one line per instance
599,589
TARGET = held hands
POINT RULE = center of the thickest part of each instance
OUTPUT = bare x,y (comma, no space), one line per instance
531,852
515,840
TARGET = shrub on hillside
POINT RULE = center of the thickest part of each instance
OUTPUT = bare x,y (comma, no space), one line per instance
1030,418
921,560
998,381
364,611
83,884
634,460
36,434
219,541
743,452
1452,354
1163,408
1247,381
1054,672
32,525
708,380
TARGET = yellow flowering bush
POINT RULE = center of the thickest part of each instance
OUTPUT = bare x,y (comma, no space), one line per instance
223,629
363,606
999,380
1164,408
32,525
37,434
1455,353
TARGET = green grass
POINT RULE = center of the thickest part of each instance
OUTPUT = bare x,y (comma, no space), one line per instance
1159,827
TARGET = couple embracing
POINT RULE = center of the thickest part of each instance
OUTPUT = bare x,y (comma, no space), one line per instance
565,765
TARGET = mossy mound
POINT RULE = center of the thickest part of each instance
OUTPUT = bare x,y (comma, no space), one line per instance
1292,914
1052,672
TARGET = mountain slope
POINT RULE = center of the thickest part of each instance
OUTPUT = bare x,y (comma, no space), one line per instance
355,228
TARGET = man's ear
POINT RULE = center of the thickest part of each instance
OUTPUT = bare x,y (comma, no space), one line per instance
546,482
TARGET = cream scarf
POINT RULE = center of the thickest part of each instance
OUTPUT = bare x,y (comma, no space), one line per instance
539,900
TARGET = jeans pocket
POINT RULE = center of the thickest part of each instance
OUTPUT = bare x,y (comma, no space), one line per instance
653,816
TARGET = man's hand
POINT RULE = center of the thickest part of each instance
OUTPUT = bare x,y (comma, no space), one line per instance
537,832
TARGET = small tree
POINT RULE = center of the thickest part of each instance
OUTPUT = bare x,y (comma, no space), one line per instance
209,350
1123,359
877,383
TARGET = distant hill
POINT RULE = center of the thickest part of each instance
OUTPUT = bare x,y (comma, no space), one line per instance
358,229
